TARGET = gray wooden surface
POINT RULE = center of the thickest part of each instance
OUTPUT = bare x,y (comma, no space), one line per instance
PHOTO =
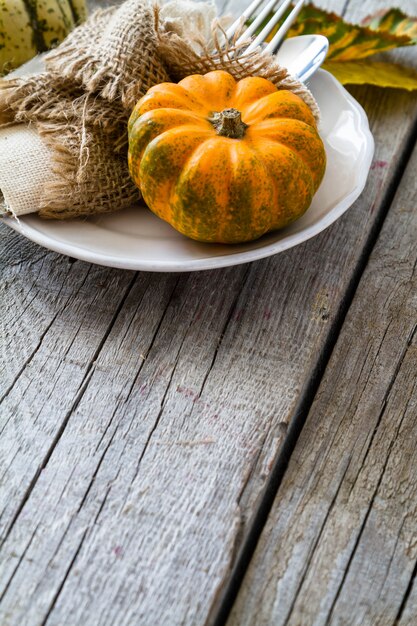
340,543
146,420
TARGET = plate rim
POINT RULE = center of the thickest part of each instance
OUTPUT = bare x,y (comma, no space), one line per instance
220,261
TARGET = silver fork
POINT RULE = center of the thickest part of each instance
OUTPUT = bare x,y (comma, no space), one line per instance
278,38
310,50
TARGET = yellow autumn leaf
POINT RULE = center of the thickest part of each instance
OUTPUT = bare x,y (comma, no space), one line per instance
352,44
393,21
347,41
376,73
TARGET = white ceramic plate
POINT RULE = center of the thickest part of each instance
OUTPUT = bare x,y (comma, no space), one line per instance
135,239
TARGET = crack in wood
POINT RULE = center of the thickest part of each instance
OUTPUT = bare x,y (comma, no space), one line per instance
61,586
225,325
158,417
317,541
81,390
31,356
20,560
135,378
403,353
407,594
365,520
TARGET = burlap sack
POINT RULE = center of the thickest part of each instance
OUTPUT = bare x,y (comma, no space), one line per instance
119,63
80,105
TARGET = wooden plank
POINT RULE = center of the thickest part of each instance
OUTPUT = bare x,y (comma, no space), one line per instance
130,481
408,612
340,544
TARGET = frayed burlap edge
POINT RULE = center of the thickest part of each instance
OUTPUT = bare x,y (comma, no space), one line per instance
183,59
49,97
81,178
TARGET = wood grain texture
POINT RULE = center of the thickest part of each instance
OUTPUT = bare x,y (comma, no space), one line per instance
407,613
143,413
340,544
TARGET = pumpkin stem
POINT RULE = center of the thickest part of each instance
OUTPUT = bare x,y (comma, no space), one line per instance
229,123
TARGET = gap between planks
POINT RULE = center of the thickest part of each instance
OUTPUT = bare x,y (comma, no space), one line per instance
221,609
260,588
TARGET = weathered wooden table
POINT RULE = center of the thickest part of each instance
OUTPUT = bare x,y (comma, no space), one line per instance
235,446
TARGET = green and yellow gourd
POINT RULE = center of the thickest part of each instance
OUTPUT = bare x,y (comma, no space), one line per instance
31,26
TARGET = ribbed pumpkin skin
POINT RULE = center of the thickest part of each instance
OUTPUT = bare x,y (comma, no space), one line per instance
215,188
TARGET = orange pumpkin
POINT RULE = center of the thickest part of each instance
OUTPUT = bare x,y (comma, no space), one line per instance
224,160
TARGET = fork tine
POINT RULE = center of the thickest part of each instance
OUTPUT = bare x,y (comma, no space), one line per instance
269,27
258,20
245,15
276,41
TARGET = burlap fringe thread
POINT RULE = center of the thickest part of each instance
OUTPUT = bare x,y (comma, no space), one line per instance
182,60
82,103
